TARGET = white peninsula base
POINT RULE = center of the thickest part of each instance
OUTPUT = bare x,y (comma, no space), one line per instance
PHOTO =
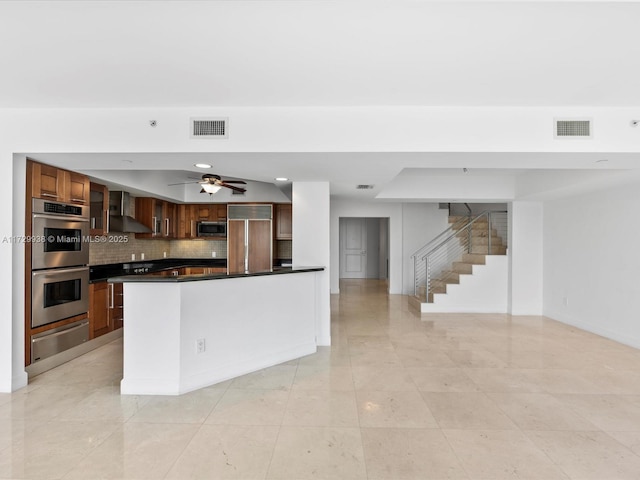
183,335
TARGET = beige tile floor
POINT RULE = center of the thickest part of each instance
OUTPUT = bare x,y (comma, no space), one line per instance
396,397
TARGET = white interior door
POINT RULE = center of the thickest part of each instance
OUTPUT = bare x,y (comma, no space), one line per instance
353,248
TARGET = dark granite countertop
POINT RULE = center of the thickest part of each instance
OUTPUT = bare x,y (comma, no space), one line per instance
103,272
150,278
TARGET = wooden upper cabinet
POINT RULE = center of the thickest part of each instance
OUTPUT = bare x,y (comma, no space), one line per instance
283,221
78,187
98,208
159,215
48,182
170,224
210,212
52,183
148,214
186,221
220,212
203,212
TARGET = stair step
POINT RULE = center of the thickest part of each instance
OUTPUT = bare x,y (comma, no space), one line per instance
474,258
483,249
449,277
438,286
476,227
462,267
414,302
495,241
476,232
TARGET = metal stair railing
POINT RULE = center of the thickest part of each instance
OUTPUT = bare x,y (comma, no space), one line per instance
437,256
419,267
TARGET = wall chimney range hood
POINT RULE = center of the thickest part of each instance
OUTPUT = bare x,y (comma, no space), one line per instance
119,218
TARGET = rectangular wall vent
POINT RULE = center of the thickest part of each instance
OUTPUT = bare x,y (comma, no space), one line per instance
574,128
209,127
364,187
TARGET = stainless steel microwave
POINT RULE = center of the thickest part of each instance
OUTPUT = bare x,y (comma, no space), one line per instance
212,229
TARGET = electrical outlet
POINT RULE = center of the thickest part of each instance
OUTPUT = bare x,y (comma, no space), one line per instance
200,345
142,256
213,254
164,254
133,256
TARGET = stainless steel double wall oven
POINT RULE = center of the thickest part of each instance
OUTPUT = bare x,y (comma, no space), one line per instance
59,275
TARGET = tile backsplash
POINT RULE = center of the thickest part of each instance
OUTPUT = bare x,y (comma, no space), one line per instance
198,248
120,247
283,249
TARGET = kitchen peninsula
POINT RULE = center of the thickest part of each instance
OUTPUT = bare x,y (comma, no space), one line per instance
184,332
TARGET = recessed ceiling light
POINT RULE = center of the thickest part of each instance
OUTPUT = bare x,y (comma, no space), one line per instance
202,165
281,179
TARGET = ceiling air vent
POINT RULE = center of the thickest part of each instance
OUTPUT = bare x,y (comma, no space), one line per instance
573,128
364,187
209,127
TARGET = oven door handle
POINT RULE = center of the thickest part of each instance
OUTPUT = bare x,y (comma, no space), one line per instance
58,271
60,217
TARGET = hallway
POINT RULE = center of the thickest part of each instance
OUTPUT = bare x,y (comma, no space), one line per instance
446,396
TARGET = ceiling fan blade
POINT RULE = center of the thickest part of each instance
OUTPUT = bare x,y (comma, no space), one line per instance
236,189
181,183
235,181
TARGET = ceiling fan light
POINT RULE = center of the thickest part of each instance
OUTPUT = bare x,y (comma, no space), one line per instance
202,165
210,188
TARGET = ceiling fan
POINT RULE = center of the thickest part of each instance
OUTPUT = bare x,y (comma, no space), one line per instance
212,183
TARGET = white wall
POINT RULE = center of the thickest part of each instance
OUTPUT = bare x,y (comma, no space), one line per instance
411,225
383,268
277,129
486,291
348,208
421,185
373,247
592,262
311,244
12,253
525,258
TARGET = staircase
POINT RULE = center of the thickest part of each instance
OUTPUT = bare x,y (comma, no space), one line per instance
455,254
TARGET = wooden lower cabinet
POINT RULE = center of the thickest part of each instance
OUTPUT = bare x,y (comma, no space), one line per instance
190,271
116,300
98,309
105,308
202,270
